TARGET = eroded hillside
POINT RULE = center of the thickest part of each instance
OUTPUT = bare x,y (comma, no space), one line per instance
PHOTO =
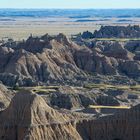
29,117
58,59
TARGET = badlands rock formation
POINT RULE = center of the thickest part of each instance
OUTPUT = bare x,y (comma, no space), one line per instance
39,60
124,125
57,59
118,32
28,117
114,32
72,98
108,57
5,97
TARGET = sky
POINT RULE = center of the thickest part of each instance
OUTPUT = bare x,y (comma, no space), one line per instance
63,4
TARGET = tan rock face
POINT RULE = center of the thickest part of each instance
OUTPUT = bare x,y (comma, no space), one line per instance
118,32
94,62
57,59
124,125
29,117
39,60
5,97
5,54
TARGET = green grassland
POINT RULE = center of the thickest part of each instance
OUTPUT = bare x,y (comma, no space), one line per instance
48,89
133,89
118,39
108,107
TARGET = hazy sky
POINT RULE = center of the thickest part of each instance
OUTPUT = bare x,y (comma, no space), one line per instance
69,3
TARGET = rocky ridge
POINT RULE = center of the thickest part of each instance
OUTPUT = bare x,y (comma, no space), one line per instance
114,32
5,97
58,59
124,125
29,117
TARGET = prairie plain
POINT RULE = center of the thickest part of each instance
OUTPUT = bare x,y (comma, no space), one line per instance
19,24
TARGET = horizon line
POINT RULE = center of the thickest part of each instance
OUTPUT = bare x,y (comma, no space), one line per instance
49,8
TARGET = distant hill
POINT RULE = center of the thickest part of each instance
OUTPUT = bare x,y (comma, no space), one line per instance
72,13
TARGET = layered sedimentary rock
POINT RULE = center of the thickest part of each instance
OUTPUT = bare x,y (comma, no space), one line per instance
73,98
29,117
109,57
39,60
114,32
5,97
124,125
57,59
118,32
